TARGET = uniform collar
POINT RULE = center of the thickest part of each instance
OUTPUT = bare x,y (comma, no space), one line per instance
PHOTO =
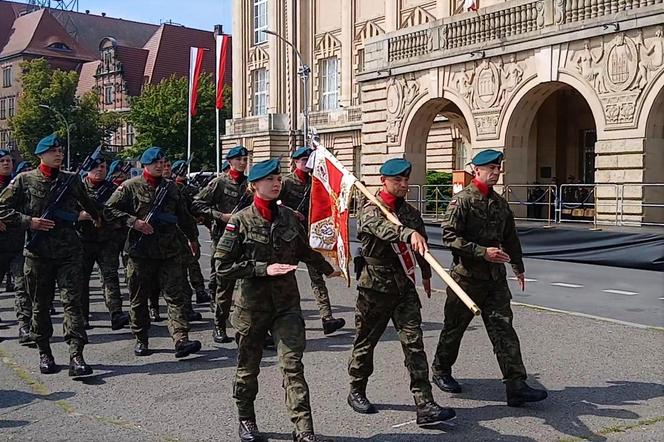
267,209
49,172
151,179
93,183
390,200
302,175
235,175
482,187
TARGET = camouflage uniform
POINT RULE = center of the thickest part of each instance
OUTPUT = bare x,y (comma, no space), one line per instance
472,223
268,303
22,301
153,264
384,293
11,260
100,245
222,195
55,257
294,194
193,267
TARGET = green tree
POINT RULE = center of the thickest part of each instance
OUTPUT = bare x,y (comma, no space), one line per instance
159,116
57,89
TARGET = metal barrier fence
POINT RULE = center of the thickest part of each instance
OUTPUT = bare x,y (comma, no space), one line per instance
538,201
633,195
583,202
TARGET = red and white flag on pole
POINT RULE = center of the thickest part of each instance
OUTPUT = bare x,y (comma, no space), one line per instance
331,187
470,5
195,63
223,46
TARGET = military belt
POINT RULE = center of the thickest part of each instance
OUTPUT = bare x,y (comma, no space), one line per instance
63,215
166,218
384,262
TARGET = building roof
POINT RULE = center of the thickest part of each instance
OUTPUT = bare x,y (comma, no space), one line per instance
133,67
86,79
39,33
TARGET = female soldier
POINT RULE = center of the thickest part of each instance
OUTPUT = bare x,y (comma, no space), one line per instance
261,246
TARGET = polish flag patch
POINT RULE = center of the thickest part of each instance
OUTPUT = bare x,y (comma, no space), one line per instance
230,227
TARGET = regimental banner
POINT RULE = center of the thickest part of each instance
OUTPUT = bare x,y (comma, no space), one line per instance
331,188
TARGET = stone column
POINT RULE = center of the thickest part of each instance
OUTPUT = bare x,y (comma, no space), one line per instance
392,15
346,71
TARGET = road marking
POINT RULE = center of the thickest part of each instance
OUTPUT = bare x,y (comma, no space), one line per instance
205,254
513,278
404,424
567,285
621,292
661,299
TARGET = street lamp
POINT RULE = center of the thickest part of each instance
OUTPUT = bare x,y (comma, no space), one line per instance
303,72
59,115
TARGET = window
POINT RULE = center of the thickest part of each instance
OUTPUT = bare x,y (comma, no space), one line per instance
7,76
260,92
3,108
59,46
4,139
460,154
130,135
109,94
260,21
10,107
329,88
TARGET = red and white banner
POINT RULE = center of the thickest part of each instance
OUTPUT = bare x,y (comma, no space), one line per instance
331,188
223,46
470,5
195,63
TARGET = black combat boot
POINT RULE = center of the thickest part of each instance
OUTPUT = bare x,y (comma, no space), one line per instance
184,347
119,320
430,413
358,401
518,393
220,337
268,343
47,364
86,324
24,335
141,348
52,311
331,324
309,436
194,316
10,287
447,383
202,296
248,431
154,315
78,367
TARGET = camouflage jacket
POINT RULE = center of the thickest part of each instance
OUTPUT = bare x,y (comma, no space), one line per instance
474,222
29,194
107,232
250,244
222,195
383,272
295,193
133,199
13,238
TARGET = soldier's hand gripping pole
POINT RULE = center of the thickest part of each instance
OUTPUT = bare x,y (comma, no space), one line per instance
428,256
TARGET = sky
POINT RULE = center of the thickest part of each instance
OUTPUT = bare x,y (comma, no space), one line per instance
199,14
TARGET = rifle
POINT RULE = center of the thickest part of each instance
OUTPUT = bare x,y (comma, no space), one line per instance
106,188
306,191
182,167
51,211
243,201
157,203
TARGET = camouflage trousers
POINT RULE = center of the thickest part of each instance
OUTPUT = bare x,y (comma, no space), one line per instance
320,292
41,275
222,300
194,273
212,285
183,261
287,329
107,257
149,276
493,298
373,311
12,263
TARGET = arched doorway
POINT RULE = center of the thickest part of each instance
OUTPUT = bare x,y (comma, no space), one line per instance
653,174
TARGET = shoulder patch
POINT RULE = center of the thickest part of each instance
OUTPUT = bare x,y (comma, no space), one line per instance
454,202
230,227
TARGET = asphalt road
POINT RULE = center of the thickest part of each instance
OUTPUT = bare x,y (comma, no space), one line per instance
605,381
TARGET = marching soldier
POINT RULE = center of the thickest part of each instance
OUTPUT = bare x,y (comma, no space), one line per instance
115,171
386,290
261,246
100,246
224,194
56,256
479,229
295,193
11,240
153,249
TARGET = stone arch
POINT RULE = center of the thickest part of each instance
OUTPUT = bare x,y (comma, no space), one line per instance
651,116
418,122
653,173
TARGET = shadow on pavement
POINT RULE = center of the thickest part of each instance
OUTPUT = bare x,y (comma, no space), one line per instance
16,398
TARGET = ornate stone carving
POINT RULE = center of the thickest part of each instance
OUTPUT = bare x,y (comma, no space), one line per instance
619,108
417,16
401,93
487,123
490,84
540,14
559,13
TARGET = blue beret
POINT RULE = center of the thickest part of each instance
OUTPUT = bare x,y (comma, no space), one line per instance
115,166
47,143
225,165
301,153
488,156
179,167
21,166
94,163
237,151
396,167
3,153
263,169
151,155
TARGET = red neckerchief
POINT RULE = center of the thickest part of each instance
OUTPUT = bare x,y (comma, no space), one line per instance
49,172
264,207
389,199
302,175
482,187
4,179
94,183
180,180
151,179
236,175
118,181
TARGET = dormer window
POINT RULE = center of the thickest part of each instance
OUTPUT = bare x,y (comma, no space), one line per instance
59,46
